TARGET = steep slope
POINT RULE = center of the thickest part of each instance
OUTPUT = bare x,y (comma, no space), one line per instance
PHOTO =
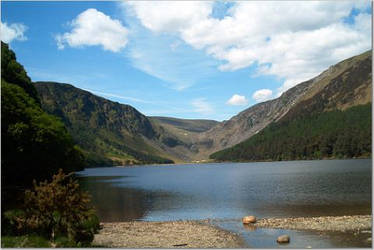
254,119
332,118
110,133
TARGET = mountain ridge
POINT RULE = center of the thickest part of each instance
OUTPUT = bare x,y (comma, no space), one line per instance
341,88
188,140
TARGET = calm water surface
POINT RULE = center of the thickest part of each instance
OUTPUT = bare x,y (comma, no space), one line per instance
225,192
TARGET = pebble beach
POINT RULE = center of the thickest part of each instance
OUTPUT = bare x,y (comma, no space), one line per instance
202,234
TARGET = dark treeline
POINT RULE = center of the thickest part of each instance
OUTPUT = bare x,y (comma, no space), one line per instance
34,144
333,134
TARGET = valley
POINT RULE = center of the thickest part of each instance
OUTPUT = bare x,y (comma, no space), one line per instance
117,134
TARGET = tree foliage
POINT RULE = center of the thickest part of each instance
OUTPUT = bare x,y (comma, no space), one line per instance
333,134
13,72
34,144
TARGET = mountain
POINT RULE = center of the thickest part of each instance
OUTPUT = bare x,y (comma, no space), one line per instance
327,116
191,125
110,133
181,136
252,120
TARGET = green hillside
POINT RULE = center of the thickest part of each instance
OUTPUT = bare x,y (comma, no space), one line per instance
331,120
334,134
110,133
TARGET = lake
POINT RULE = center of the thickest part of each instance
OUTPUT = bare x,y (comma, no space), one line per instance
225,192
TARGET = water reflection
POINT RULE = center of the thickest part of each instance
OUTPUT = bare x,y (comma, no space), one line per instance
266,237
227,190
114,203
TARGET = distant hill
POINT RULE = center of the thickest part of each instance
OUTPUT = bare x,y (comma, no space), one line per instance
192,125
329,117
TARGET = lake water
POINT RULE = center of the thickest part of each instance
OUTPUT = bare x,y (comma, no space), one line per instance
225,192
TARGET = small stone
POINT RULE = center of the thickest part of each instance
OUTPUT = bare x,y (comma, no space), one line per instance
283,239
249,219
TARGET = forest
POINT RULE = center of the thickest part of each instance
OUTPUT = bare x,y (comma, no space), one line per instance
332,134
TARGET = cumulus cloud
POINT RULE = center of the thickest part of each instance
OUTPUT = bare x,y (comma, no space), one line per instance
262,95
170,16
292,40
202,106
14,31
93,27
237,100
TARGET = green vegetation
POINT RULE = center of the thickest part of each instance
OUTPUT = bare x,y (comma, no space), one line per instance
109,133
333,134
24,241
35,144
13,72
54,214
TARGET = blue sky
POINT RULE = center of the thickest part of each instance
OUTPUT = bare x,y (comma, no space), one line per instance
206,60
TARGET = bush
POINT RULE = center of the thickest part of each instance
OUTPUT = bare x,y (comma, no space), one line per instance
57,209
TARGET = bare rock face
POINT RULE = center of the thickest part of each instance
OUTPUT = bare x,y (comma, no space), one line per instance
249,219
283,239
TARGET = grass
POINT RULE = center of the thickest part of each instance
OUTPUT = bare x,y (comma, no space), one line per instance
24,241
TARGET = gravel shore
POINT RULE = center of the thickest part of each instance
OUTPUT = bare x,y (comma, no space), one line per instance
355,223
202,234
184,234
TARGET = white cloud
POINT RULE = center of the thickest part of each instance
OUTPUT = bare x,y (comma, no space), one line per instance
126,98
14,31
262,95
202,106
93,27
292,40
237,100
169,16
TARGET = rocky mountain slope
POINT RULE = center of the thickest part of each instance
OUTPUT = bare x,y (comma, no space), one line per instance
110,133
325,120
113,134
254,119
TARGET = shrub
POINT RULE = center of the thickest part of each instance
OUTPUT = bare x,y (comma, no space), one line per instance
57,209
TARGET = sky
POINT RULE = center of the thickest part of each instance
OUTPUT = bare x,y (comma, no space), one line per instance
185,59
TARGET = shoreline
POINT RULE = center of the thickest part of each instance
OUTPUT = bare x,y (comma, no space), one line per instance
170,234
203,234
347,223
213,161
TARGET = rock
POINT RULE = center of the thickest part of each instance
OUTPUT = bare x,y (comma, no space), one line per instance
283,239
249,219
